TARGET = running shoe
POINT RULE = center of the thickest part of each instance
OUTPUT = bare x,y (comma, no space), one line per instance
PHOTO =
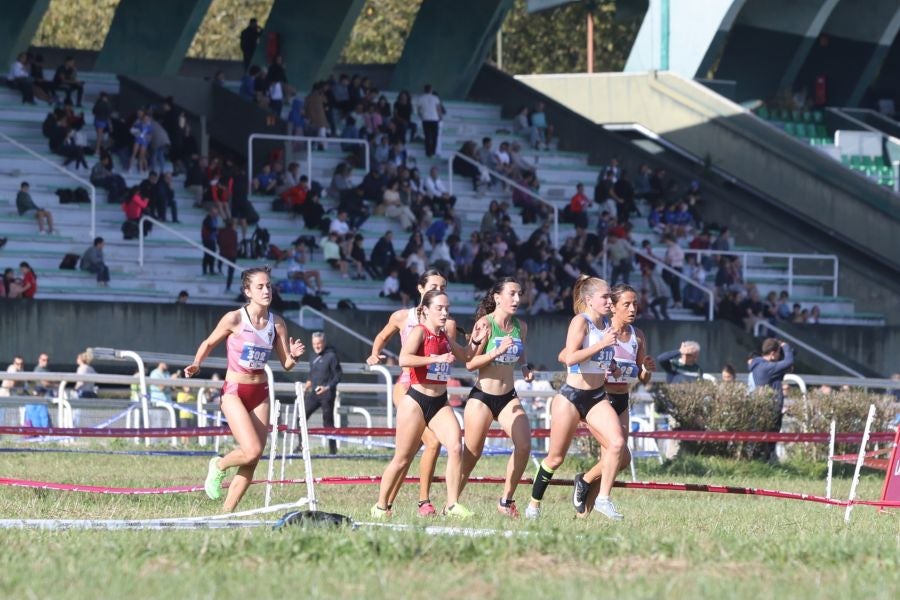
378,513
532,512
426,509
606,508
214,478
509,509
458,511
579,493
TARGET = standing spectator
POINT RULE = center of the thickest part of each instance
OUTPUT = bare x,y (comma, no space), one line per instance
249,40
85,389
227,239
775,361
196,180
657,291
681,365
26,207
324,376
142,131
102,112
674,258
403,116
539,127
208,235
314,107
20,78
10,387
161,393
66,80
92,262
165,194
428,107
160,142
37,415
29,280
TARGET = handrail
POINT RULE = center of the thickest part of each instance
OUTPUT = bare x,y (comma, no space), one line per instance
759,325
744,254
206,250
299,138
61,169
636,252
510,182
337,324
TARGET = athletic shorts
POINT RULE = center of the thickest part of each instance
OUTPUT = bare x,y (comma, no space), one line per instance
430,405
251,394
584,400
101,124
493,402
619,402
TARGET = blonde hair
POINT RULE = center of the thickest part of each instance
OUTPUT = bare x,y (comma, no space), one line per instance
584,287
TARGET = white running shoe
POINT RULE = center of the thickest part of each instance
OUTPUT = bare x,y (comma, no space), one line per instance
532,512
607,509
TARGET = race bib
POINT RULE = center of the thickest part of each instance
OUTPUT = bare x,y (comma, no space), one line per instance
604,359
512,354
438,372
629,374
254,357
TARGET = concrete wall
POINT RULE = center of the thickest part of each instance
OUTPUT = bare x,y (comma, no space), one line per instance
804,180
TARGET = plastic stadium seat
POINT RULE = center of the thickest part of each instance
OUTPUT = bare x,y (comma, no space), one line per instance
820,131
790,128
845,160
856,161
818,116
763,113
807,116
796,116
868,161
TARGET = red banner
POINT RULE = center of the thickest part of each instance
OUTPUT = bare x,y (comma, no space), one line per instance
891,491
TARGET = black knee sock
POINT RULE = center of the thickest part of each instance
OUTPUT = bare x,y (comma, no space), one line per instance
541,481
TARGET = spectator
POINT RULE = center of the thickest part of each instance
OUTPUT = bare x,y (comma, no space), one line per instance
183,297
768,370
27,208
316,119
249,40
159,146
196,179
340,225
728,374
43,388
522,125
161,393
383,255
165,198
674,258
208,236
429,109
85,389
395,209
436,193
66,80
621,258
102,176
12,287
227,240
539,127
142,131
440,229
10,387
332,253
402,116
578,207
752,309
340,180
20,78
783,306
391,286
325,374
92,262
265,182
657,291
623,194
681,365
297,269
28,280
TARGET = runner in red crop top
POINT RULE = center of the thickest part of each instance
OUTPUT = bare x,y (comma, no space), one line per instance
429,354
403,321
250,333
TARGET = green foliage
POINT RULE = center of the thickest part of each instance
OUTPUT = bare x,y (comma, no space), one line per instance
547,42
81,25
849,409
706,405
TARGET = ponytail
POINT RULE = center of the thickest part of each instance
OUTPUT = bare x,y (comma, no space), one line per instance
584,287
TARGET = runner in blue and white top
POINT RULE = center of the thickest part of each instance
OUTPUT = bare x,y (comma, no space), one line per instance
493,397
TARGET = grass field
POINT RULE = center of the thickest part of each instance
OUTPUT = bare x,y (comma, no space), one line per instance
671,544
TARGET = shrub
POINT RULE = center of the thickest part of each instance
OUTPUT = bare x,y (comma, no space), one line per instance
708,406
849,409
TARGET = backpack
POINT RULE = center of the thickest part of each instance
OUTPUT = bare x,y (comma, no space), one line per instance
66,196
259,243
313,301
69,262
129,230
346,304
82,196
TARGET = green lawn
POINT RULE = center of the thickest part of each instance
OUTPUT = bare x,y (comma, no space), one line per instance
671,544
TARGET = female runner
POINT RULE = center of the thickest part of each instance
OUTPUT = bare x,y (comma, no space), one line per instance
588,356
429,354
493,396
252,332
633,364
403,321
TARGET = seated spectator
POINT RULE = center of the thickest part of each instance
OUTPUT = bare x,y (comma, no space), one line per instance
815,313
751,308
20,78
783,307
360,262
398,155
27,208
102,176
66,79
440,229
28,280
578,207
728,308
468,167
395,209
12,287
313,212
518,164
296,196
340,181
92,262
436,193
333,254
383,255
297,269
265,181
391,287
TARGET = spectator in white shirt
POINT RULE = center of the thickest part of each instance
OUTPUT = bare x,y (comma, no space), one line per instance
429,108
20,78
436,193
340,225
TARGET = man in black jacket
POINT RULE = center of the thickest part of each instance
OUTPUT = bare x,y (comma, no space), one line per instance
324,375
249,40
383,255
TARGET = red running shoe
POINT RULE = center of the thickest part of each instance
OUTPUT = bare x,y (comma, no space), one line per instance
426,509
509,509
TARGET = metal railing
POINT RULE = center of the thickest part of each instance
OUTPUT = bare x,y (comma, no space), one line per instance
303,323
309,142
637,253
510,182
67,173
760,325
193,243
792,276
